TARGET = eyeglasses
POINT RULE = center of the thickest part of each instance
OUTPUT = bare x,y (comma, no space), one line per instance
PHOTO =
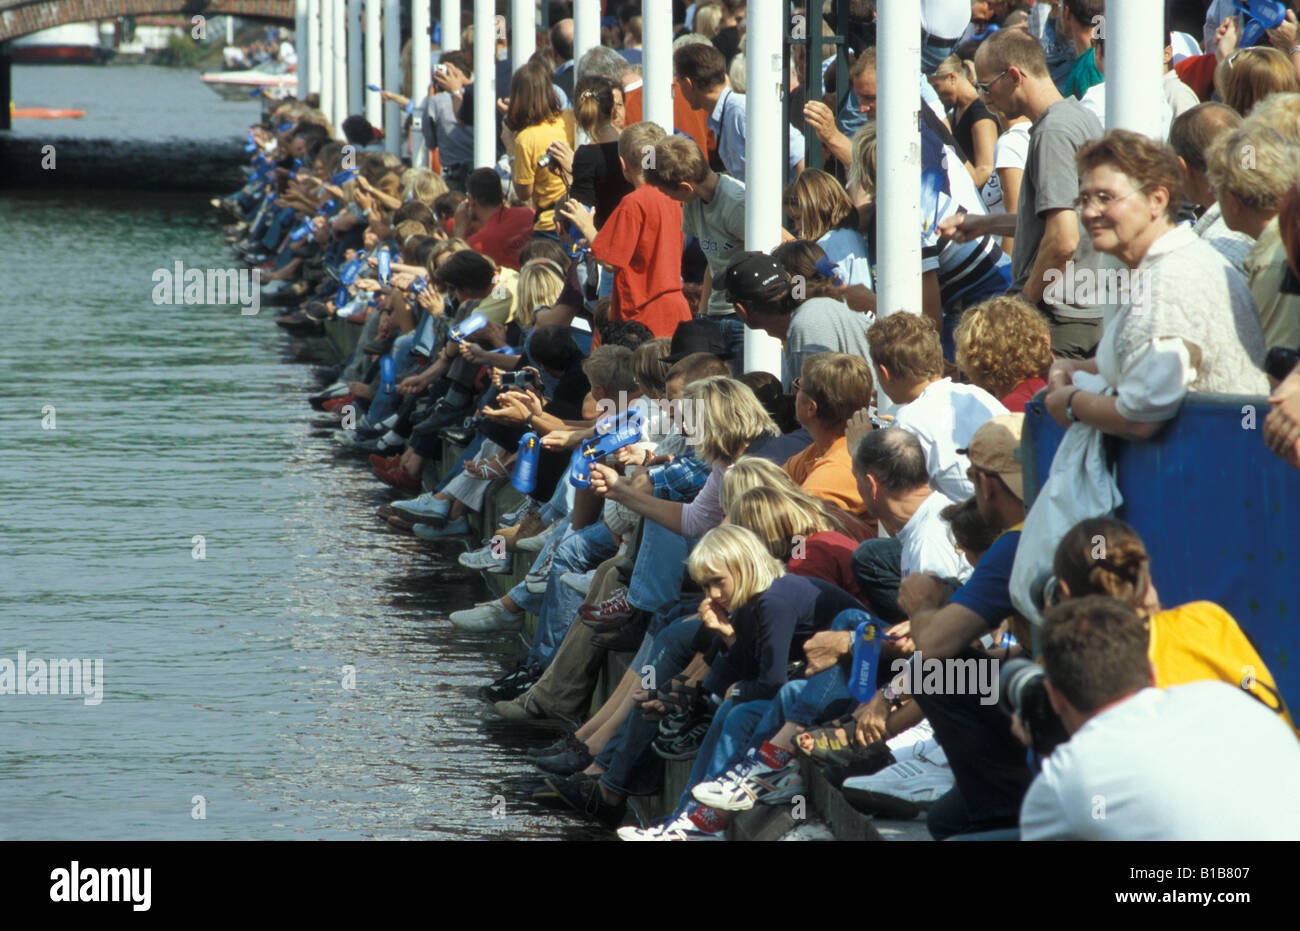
797,384
985,86
1102,199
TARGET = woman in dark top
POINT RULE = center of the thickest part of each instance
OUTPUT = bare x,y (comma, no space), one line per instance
597,174
973,126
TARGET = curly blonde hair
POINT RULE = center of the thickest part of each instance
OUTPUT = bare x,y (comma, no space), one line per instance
1000,343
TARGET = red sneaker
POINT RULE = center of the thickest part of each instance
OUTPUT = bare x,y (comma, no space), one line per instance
386,463
613,609
333,404
398,477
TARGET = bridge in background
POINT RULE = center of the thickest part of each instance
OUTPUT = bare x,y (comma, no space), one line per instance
23,17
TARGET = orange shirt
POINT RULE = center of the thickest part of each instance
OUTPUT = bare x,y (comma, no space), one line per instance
695,123
827,475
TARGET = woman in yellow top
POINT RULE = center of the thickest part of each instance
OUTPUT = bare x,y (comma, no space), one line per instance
1189,643
535,119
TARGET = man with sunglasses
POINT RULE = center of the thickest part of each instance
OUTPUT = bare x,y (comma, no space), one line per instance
1012,76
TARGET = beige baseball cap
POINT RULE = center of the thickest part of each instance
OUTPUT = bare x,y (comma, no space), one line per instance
995,447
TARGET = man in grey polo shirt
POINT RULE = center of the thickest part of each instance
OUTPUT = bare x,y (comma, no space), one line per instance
1013,77
713,211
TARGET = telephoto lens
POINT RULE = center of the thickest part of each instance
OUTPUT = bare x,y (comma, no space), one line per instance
1023,690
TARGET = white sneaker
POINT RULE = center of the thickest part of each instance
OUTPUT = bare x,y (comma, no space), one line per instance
919,733
906,788
512,518
487,616
580,582
484,558
424,508
536,580
534,544
751,782
680,828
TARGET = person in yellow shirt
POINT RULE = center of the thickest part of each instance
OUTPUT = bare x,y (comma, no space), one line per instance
1189,643
830,388
535,120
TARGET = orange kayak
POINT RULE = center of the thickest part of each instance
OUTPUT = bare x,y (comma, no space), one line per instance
46,113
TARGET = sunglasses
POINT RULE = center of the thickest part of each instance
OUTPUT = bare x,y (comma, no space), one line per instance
985,86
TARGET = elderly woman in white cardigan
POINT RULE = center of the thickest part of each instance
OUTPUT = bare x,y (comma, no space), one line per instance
1190,323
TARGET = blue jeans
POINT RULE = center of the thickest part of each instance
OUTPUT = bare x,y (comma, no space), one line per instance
733,331
631,767
659,568
581,550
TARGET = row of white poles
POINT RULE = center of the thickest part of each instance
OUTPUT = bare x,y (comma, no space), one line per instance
324,69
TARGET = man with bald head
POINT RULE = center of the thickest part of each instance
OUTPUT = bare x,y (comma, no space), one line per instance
561,36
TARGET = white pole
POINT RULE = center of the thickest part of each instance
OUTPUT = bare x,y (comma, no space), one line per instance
764,169
586,27
393,114
523,31
657,56
450,25
1133,65
356,58
300,43
311,52
340,63
485,84
419,79
327,59
898,44
374,64
230,26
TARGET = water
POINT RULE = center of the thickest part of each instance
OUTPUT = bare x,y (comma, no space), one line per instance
223,690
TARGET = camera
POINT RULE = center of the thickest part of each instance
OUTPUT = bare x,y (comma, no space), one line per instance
1280,361
418,286
1023,690
545,160
519,379
441,69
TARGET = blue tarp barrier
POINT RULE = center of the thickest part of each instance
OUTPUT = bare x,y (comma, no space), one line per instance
1218,514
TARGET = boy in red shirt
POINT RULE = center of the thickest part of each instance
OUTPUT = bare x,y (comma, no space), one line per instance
641,241
488,225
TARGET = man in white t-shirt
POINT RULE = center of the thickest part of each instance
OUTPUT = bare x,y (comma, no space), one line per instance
908,360
890,469
1201,761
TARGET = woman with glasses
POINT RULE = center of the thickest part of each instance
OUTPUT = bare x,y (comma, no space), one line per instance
1186,319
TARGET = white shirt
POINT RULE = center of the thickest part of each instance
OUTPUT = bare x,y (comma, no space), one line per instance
944,418
1191,326
945,19
928,543
1011,151
1232,245
1202,761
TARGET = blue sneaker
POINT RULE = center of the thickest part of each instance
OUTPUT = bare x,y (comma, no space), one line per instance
678,828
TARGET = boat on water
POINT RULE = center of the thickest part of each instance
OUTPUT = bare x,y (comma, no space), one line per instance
75,43
276,77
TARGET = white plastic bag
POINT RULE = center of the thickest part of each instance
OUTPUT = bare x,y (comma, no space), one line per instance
1080,485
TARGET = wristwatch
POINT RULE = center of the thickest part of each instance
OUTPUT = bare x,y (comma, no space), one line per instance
1069,406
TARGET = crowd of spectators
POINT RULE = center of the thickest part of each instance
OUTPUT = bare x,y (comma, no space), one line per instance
768,550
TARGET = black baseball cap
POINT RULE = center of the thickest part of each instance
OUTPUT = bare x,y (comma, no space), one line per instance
753,276
697,335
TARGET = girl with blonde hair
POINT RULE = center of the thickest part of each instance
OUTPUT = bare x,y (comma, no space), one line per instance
760,617
540,283
973,126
